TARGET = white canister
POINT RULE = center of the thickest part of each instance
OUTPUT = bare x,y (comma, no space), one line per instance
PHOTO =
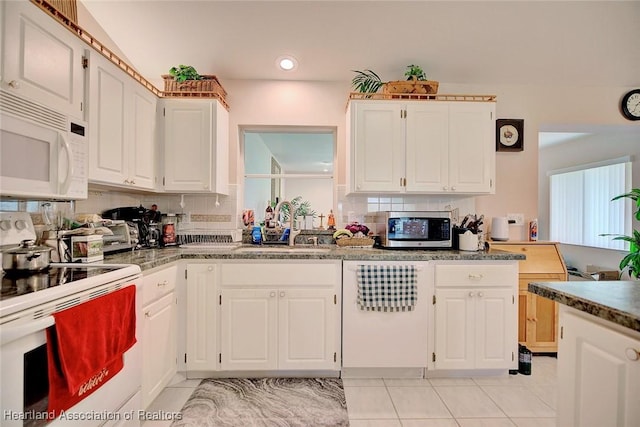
468,241
500,229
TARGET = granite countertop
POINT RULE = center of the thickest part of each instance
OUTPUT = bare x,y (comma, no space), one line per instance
150,258
615,301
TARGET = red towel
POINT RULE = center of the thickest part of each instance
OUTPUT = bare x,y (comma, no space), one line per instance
86,345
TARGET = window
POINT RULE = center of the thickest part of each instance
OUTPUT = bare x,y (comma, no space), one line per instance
581,209
286,163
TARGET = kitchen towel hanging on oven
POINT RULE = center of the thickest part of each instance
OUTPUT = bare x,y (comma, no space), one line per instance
387,287
86,345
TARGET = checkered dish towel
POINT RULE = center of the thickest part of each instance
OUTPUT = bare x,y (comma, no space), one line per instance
387,287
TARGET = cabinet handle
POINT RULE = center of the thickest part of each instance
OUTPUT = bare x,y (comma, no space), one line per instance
126,181
272,294
470,294
14,84
632,354
147,314
282,294
475,276
161,284
133,182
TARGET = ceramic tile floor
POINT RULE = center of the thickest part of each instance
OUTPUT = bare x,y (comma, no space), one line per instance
507,401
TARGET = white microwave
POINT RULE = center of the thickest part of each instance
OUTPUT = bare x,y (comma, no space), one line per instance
43,153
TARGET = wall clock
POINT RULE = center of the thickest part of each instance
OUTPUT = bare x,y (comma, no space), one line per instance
630,105
509,135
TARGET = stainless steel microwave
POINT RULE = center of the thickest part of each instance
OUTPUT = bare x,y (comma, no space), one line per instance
417,229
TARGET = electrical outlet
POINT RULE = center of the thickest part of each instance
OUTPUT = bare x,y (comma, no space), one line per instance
515,218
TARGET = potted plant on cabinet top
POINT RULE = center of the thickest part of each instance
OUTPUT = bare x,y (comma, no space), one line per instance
632,259
416,83
368,82
185,78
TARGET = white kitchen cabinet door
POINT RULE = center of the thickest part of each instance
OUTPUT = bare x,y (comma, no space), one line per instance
495,329
598,374
455,328
42,60
378,146
202,330
159,347
108,109
196,144
249,329
142,166
471,147
427,158
306,324
122,117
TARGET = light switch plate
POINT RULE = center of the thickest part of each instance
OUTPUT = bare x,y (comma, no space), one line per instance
517,217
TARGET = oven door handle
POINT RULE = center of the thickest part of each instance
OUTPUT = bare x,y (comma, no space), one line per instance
9,333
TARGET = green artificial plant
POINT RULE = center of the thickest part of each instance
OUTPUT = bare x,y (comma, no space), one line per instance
366,81
631,260
415,72
184,72
300,208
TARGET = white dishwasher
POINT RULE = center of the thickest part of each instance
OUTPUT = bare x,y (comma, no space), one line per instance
378,339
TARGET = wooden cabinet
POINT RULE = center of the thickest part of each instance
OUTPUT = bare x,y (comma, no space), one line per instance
475,315
280,315
158,332
422,147
122,117
378,339
196,146
537,316
598,372
41,60
201,317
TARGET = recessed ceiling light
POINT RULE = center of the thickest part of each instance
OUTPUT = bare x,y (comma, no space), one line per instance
287,63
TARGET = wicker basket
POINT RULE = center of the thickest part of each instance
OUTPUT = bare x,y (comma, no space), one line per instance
426,87
355,242
208,83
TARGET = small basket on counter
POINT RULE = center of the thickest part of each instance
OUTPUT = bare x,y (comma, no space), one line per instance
355,242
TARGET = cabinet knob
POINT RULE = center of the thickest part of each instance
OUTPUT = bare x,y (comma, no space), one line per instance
272,294
282,294
480,294
210,268
632,354
445,188
206,186
14,84
470,294
453,188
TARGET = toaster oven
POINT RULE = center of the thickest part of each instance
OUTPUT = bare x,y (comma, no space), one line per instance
122,239
415,229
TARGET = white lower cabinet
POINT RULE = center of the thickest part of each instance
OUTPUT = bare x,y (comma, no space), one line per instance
158,332
280,315
598,372
202,324
476,315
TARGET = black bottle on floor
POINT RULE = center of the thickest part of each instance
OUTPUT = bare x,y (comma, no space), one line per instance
524,360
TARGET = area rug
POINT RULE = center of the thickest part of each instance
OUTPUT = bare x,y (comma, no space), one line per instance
266,402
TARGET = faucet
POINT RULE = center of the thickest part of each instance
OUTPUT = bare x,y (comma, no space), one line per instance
276,214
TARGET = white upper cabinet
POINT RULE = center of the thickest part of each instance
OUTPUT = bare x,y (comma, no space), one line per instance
422,147
41,60
122,118
196,146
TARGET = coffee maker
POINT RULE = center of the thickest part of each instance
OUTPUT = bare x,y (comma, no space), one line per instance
147,222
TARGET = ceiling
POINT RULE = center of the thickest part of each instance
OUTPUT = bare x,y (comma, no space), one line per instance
476,42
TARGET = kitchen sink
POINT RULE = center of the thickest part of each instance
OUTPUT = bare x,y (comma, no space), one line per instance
283,249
